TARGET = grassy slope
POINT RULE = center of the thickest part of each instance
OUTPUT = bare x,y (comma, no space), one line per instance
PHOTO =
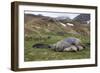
35,54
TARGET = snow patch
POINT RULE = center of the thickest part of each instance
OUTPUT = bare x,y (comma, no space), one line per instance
63,24
69,24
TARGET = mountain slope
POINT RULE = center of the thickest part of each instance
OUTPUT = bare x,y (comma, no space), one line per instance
82,18
44,25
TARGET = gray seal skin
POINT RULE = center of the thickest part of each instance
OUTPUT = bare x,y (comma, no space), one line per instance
68,44
73,41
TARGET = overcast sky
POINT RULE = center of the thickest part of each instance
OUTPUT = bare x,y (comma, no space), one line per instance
54,14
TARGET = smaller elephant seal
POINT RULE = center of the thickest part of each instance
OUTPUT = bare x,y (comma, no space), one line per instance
40,45
68,44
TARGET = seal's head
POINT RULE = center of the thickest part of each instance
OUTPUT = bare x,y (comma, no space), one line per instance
53,46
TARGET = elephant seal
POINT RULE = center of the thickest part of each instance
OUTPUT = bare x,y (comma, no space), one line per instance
68,44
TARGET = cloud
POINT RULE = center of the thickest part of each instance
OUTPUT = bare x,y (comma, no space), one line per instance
54,14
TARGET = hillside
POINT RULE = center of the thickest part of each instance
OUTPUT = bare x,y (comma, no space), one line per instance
39,25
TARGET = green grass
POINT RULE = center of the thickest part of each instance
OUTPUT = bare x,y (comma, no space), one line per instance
36,54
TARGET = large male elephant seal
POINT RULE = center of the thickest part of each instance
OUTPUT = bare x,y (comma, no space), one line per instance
68,44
